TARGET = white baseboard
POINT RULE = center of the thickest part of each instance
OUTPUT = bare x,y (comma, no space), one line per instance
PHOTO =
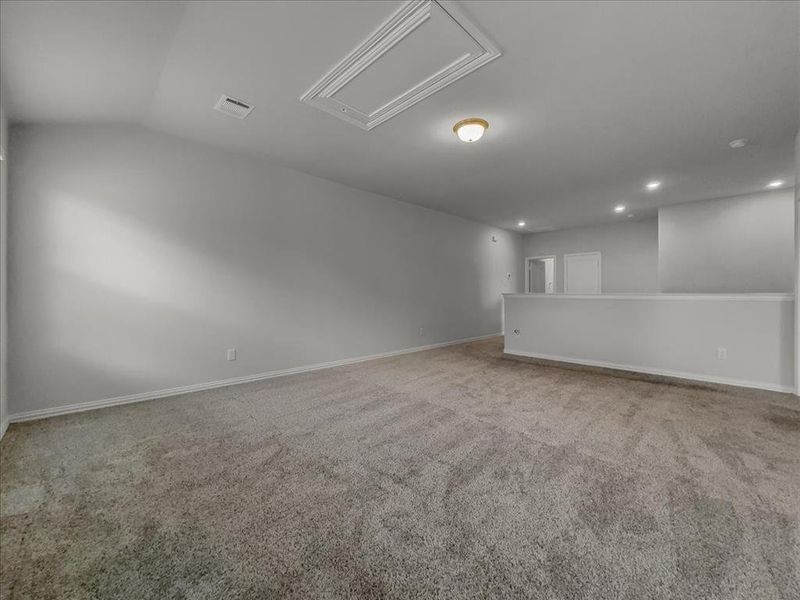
197,387
761,385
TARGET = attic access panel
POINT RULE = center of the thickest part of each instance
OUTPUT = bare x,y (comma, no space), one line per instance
422,48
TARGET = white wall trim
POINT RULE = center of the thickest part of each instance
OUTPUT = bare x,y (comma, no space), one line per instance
599,256
663,296
197,387
3,427
651,371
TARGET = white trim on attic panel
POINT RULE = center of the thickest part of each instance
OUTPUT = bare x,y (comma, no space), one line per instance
396,30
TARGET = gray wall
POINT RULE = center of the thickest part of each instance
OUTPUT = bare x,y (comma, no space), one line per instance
3,247
740,244
629,253
676,335
136,259
797,264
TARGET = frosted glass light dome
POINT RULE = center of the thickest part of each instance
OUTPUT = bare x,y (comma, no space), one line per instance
470,130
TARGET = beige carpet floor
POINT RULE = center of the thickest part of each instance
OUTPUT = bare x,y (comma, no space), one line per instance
452,473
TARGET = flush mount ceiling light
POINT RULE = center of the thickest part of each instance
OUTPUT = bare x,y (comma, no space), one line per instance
521,224
652,186
619,208
470,130
775,184
738,143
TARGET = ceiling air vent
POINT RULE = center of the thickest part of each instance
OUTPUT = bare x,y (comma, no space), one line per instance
233,107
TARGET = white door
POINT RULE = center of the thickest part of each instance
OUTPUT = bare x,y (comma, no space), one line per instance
582,273
540,275
549,275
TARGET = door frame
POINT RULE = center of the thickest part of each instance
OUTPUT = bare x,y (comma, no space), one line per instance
528,274
599,269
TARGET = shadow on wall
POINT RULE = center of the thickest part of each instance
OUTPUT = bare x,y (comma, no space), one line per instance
136,267
128,310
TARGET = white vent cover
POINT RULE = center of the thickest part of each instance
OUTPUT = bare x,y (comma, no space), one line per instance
422,48
233,107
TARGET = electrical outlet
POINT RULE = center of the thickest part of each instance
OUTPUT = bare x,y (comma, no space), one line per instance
421,332
516,332
231,353
722,353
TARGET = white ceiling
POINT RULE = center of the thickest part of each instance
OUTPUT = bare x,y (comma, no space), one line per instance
83,61
587,103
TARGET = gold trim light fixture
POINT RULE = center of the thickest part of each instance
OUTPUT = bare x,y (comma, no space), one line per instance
470,130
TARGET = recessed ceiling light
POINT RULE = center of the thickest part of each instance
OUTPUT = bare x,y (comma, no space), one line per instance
653,185
775,184
619,208
521,224
470,130
738,143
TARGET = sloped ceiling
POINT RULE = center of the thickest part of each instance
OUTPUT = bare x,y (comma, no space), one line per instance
83,61
587,103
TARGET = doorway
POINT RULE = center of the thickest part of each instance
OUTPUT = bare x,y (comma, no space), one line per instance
540,273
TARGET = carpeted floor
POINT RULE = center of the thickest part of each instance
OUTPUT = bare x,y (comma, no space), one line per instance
452,473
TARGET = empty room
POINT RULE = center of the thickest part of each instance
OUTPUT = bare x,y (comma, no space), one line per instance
399,299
